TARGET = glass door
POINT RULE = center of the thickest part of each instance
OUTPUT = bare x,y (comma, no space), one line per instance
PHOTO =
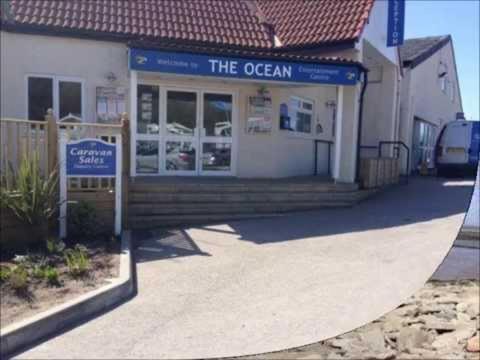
148,126
181,133
216,134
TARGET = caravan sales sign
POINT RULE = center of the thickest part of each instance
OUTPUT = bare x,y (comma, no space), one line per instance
91,157
241,68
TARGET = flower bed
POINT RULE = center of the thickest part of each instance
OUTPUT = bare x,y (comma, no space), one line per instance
43,278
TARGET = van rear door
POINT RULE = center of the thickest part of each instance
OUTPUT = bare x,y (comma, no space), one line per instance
475,144
456,142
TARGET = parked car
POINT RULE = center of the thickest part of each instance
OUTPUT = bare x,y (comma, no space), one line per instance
458,147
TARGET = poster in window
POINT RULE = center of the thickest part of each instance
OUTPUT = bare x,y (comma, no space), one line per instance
110,104
259,114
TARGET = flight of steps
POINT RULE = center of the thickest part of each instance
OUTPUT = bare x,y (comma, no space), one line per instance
153,205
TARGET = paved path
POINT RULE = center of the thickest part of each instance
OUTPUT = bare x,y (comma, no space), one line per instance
462,263
262,285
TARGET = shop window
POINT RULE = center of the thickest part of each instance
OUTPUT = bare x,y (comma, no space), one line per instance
147,109
147,157
64,96
69,99
181,113
217,115
40,97
301,115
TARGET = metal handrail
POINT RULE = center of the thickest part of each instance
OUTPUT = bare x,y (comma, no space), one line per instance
329,143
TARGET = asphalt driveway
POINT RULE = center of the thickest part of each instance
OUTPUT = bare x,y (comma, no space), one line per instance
257,286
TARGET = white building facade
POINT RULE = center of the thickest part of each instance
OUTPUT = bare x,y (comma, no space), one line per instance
265,122
430,95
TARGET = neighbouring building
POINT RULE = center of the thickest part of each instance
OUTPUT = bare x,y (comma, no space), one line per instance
430,95
265,89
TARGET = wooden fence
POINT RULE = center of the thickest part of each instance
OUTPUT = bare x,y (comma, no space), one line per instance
25,138
22,138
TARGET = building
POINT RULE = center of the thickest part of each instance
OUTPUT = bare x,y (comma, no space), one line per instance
430,95
251,89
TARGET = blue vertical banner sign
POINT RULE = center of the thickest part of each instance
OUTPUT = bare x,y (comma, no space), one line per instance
396,22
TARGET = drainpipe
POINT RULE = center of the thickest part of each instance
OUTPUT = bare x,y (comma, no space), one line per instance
360,121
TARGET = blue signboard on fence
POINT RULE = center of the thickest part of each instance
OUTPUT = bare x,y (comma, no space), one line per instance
396,22
91,157
241,68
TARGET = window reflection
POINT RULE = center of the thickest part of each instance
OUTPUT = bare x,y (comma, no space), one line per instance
147,156
147,109
216,156
217,115
180,155
70,99
181,113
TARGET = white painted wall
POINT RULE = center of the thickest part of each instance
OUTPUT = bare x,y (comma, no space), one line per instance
89,60
375,31
278,154
423,97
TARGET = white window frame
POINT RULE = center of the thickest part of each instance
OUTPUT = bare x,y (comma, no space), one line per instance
56,100
162,136
293,112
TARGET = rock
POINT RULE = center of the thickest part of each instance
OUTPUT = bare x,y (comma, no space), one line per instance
392,324
407,310
419,353
463,318
473,345
447,300
411,337
471,309
445,341
373,340
464,330
432,308
385,355
435,323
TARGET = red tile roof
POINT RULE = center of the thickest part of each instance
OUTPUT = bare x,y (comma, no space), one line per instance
310,22
208,21
237,23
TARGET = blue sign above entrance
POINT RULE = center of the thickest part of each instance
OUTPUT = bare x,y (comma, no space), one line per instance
240,68
396,22
90,157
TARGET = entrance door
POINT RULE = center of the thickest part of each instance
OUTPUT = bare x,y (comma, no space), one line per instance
198,130
181,133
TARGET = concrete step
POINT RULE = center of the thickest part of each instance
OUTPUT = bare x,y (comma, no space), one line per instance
246,187
168,198
231,208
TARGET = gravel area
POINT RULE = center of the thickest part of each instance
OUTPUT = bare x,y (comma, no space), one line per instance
435,323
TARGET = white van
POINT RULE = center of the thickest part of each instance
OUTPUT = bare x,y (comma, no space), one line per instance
458,146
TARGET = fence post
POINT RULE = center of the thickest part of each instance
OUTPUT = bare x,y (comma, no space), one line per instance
52,135
125,167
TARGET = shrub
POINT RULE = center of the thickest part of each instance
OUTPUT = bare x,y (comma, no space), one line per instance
30,196
83,221
18,278
4,273
51,275
77,260
55,246
38,272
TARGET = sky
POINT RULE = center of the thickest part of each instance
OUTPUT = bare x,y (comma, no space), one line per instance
459,18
